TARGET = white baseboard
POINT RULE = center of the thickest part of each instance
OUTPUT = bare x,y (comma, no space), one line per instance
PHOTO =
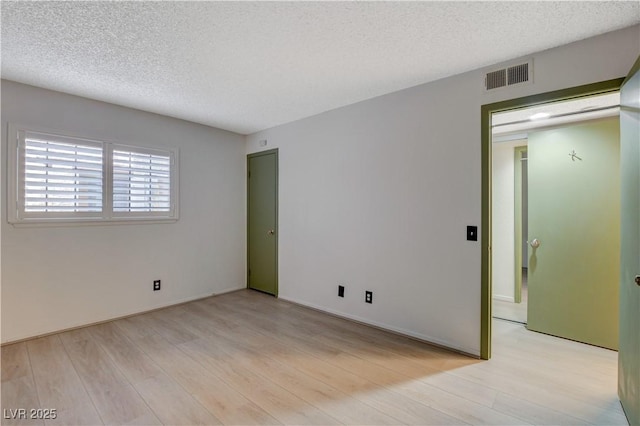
504,298
229,290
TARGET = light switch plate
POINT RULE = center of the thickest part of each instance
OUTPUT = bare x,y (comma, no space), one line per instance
472,233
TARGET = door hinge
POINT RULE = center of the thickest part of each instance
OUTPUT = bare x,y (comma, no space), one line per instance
249,175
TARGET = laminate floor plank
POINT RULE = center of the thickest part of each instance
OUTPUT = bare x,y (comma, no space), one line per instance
135,327
423,363
384,366
240,338
15,361
18,389
223,401
358,359
532,347
115,399
406,410
131,361
173,331
58,385
465,410
163,396
577,387
204,307
343,407
344,332
463,388
77,335
19,394
403,409
525,384
327,398
455,406
277,401
533,413
249,358
582,386
81,414
285,330
603,413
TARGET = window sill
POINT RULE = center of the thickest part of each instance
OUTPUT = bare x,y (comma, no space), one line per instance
48,223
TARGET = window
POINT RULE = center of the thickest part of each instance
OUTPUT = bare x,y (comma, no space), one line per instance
56,178
141,182
60,176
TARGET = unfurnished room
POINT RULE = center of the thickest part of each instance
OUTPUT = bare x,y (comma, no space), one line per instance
319,213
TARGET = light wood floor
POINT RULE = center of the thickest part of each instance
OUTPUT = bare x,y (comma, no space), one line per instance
510,311
248,358
514,311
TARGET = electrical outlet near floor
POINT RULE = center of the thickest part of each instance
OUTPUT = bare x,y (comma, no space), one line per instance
368,296
156,285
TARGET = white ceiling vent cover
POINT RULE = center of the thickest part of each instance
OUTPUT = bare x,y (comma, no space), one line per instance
509,76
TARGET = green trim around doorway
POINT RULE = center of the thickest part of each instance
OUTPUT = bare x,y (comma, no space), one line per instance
634,69
277,207
518,158
485,128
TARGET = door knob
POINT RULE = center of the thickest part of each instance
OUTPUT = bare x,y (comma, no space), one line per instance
271,232
535,243
637,279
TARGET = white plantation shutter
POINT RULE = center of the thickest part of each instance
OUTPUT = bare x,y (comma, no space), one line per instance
60,176
142,181
55,179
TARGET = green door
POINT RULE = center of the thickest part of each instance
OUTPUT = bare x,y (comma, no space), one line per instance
262,221
574,220
629,351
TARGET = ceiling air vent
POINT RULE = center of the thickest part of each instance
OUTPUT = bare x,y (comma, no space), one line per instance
496,79
518,74
515,74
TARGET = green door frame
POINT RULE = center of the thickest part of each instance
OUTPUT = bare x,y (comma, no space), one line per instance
518,158
485,114
277,206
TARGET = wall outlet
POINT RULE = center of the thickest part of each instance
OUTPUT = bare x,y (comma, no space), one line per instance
340,291
156,285
368,296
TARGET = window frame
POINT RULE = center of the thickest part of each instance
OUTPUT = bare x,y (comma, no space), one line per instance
110,181
17,216
21,212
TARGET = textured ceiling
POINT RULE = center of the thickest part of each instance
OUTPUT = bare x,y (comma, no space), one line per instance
247,66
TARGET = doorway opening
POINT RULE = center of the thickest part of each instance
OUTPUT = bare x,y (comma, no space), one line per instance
511,132
522,106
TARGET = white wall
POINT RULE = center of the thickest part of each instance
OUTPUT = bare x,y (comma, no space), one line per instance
503,232
60,277
377,195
